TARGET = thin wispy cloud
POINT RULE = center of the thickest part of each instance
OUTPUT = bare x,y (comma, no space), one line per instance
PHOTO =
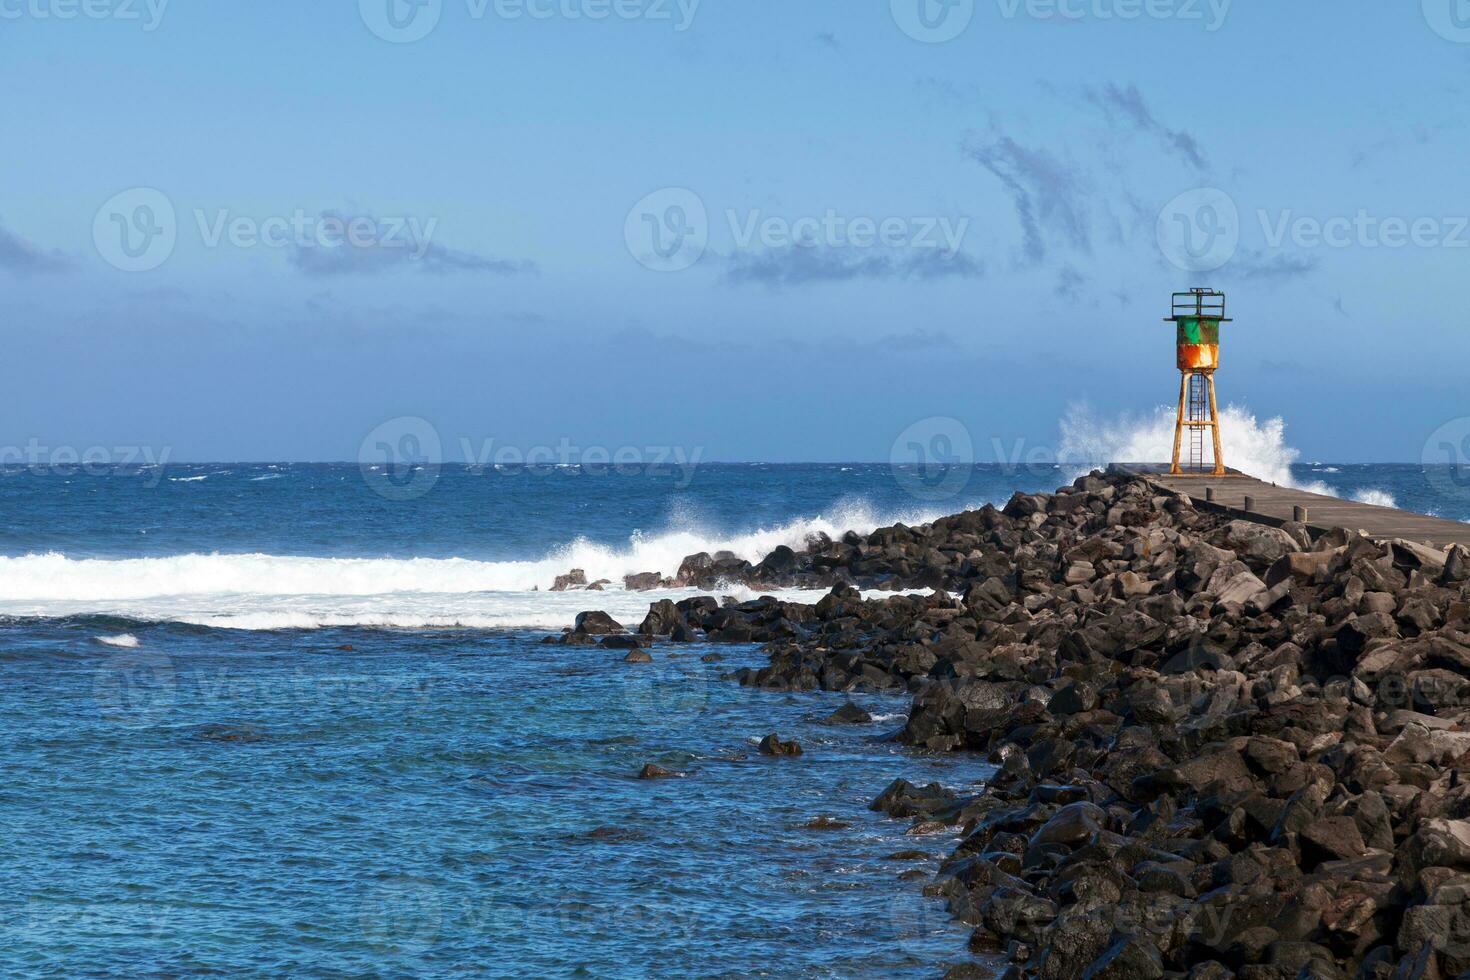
21,257
347,260
1418,135
1128,106
917,340
1271,267
396,249
803,265
1049,195
1069,283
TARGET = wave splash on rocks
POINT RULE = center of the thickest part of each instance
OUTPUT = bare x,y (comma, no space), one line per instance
1223,749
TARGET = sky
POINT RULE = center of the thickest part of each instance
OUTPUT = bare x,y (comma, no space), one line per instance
784,230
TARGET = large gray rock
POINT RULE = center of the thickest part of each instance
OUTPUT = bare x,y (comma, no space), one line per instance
1240,588
1258,545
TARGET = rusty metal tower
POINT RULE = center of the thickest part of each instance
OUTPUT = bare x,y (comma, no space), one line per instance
1197,317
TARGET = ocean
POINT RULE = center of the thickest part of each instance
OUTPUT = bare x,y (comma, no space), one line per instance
290,719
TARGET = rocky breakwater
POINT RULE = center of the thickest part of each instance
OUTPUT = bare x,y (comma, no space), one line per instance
1222,748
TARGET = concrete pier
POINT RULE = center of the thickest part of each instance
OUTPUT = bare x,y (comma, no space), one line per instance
1271,504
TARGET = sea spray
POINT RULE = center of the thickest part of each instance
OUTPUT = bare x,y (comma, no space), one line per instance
1255,448
1251,446
55,577
1378,498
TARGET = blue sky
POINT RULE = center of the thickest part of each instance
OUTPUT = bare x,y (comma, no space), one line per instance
530,153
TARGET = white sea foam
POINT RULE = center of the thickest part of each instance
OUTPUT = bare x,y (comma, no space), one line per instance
403,610
274,592
57,577
1257,448
121,640
1371,495
188,479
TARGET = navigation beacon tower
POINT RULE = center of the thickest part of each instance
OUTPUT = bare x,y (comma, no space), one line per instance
1197,317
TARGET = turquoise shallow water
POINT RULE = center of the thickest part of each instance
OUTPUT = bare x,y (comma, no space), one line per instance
449,804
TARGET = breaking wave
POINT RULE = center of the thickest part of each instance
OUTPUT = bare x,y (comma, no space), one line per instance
37,578
1256,448
279,592
1378,498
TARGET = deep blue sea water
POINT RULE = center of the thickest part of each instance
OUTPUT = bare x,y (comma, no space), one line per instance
289,720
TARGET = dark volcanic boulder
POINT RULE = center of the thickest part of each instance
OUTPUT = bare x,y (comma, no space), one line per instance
642,582
596,623
1201,751
662,617
848,714
779,565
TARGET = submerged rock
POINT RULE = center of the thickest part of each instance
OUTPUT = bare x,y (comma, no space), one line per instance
772,745
848,714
